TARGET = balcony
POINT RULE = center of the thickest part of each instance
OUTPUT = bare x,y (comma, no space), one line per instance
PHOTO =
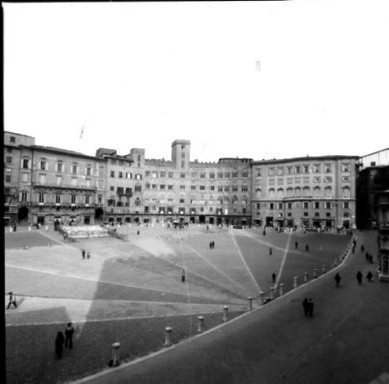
63,186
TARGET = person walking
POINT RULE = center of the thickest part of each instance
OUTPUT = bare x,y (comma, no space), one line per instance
307,247
270,251
183,276
359,277
69,331
88,254
59,341
296,244
310,307
273,277
305,306
337,279
83,254
369,276
12,300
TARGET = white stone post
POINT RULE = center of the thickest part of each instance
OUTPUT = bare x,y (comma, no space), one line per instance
168,332
314,273
262,296
305,277
250,299
115,354
10,229
225,313
200,324
324,269
281,289
272,292
29,228
295,284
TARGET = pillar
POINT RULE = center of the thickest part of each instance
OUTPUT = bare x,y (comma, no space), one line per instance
314,273
200,324
225,313
262,296
324,269
295,284
281,289
272,292
250,299
168,332
115,354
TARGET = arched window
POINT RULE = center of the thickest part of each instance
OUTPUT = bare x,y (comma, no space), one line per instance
289,192
297,192
316,192
258,193
327,191
346,192
271,193
306,191
280,193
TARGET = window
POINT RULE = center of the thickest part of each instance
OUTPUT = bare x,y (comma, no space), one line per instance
280,181
87,199
138,188
327,205
41,198
7,178
305,168
154,175
289,205
212,175
220,175
305,214
227,175
327,168
271,171
162,186
226,189
280,171
305,205
182,187
128,175
120,175
193,187
245,174
111,188
317,214
271,181
59,180
138,176
182,201
74,169
220,188
57,198
112,173
289,170
182,164
43,165
234,174
162,174
245,188
202,187
99,199
25,163
12,139
24,196
8,159
154,186
345,167
298,169
42,179
171,175
316,168
202,175
234,188
346,205
271,205
317,206
25,177
182,175
59,167
88,171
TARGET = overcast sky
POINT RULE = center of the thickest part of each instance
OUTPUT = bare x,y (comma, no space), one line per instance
256,79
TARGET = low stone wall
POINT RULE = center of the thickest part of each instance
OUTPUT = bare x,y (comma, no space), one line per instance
82,231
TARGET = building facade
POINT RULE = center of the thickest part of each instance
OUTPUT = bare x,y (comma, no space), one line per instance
310,192
46,185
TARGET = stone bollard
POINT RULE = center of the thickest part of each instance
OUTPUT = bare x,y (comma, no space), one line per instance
295,284
281,289
324,269
200,324
47,228
10,229
168,332
250,299
314,273
225,313
272,292
306,277
262,296
29,228
115,355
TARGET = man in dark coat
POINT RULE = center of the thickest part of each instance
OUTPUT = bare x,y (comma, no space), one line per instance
305,306
359,277
337,279
183,276
69,331
59,340
310,306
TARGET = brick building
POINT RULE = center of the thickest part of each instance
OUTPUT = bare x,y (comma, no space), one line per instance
305,191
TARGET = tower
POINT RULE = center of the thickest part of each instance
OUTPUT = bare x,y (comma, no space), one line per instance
181,153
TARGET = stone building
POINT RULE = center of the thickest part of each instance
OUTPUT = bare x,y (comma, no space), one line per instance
176,190
314,192
46,185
